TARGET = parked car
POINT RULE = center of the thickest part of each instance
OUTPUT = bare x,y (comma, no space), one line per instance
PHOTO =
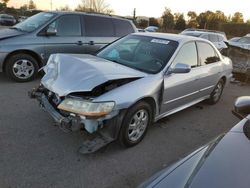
27,46
151,29
224,162
6,19
141,30
234,39
217,38
21,18
243,42
131,83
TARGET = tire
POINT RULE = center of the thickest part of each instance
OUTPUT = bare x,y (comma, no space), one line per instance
217,92
21,67
132,133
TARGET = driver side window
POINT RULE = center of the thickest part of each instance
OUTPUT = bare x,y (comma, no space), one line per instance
187,55
69,25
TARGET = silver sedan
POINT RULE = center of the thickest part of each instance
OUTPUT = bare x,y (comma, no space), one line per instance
130,84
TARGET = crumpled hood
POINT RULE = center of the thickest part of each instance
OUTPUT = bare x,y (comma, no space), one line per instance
68,73
8,33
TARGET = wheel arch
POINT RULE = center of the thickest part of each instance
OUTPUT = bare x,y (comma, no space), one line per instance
151,101
28,52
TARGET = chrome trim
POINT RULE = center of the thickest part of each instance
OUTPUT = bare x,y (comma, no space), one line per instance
178,98
206,88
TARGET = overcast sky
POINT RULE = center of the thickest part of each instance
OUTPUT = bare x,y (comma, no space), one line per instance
153,8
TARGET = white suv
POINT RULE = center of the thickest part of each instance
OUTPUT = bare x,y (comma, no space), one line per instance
219,39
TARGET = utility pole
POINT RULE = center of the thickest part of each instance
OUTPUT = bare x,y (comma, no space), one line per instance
51,5
134,15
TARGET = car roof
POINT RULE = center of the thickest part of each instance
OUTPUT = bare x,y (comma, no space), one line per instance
88,13
169,36
204,32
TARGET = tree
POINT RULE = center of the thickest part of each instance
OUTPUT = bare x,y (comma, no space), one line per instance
248,21
65,8
192,20
238,17
204,19
2,6
217,18
5,1
98,6
167,19
142,23
153,22
180,23
31,5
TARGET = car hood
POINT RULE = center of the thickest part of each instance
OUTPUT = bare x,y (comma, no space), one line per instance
68,73
9,33
222,163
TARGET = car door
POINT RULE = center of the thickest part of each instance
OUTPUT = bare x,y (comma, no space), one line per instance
182,89
68,37
210,67
99,31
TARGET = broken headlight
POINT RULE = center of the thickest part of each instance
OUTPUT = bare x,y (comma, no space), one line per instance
86,108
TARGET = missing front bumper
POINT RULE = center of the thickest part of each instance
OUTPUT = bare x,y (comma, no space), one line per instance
105,134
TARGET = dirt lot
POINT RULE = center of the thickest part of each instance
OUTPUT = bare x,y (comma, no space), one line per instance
34,153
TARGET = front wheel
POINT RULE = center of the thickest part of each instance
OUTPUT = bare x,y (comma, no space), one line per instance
135,124
21,67
217,92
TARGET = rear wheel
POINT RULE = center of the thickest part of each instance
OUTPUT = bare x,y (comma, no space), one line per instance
135,124
217,92
21,67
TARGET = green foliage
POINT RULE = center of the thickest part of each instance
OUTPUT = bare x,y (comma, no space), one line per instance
142,23
237,18
180,23
32,5
167,19
2,6
153,22
235,29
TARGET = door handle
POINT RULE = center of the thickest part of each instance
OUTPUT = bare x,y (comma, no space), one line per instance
91,42
79,42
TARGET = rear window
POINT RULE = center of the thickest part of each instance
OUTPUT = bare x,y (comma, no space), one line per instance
97,26
122,27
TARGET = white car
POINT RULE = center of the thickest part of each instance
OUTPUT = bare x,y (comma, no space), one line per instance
219,39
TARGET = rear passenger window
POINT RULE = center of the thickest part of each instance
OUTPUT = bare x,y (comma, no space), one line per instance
187,55
213,38
68,25
207,53
122,27
97,26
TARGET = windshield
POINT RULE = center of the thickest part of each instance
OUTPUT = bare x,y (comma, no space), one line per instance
147,54
34,22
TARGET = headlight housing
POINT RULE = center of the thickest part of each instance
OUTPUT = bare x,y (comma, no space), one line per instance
86,108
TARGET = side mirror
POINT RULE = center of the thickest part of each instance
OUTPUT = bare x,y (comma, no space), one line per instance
51,32
242,107
180,68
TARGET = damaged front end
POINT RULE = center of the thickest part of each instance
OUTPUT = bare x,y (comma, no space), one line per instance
69,93
102,125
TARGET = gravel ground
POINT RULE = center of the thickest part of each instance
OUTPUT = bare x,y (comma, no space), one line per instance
34,153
